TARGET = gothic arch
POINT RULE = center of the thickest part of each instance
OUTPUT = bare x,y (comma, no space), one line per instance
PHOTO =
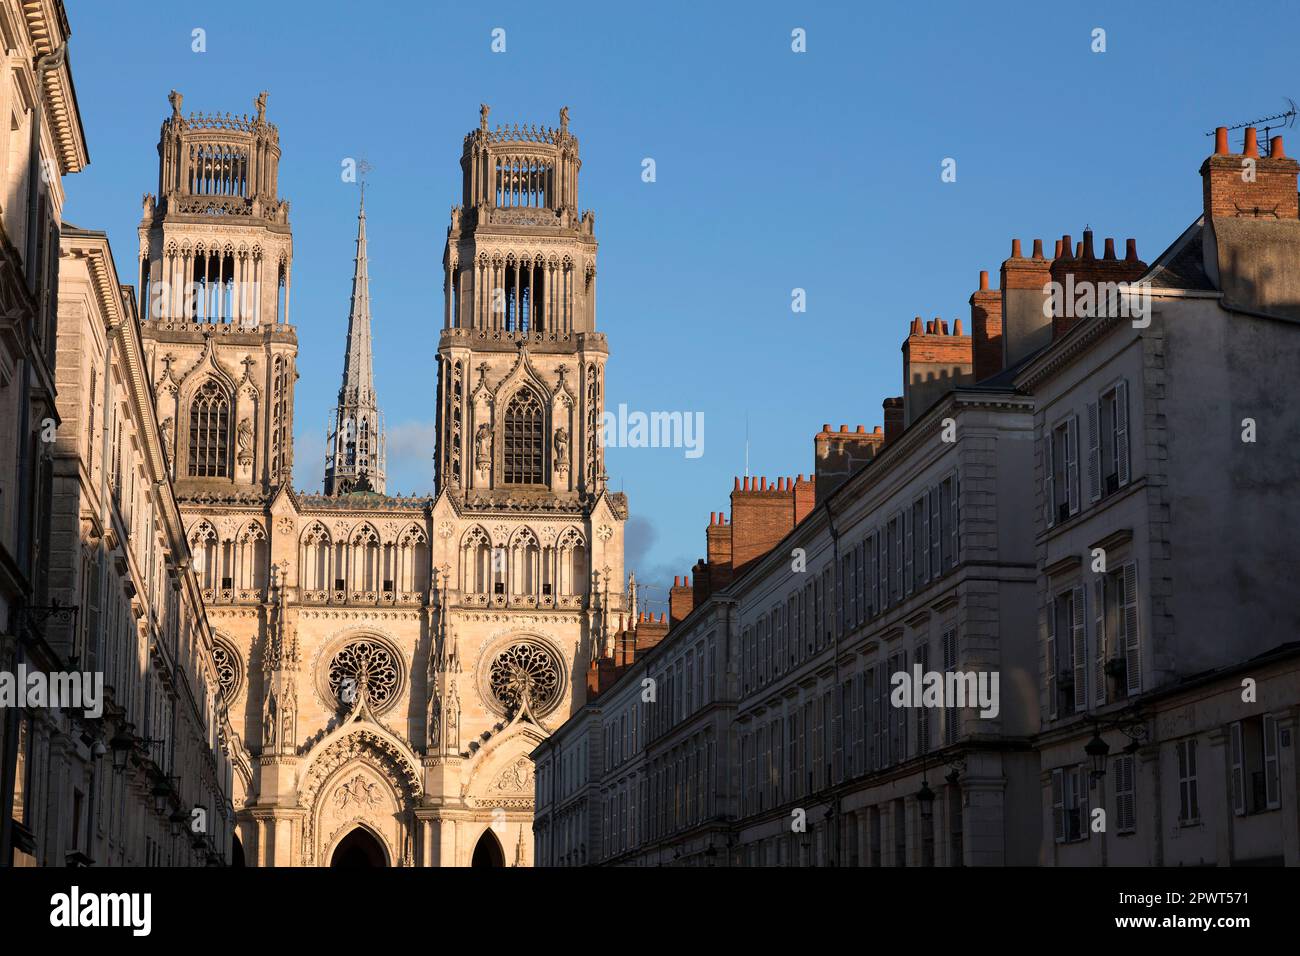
365,749
476,561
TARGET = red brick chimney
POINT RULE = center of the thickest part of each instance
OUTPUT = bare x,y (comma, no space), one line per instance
836,455
986,329
1251,240
718,544
1088,286
934,363
1231,192
761,515
681,600
649,632
1026,326
805,493
701,586
893,412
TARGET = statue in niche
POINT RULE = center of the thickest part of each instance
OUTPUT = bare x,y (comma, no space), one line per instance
270,719
435,720
165,428
244,438
482,448
561,451
453,720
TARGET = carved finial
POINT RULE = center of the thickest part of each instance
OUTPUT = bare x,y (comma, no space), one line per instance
483,110
175,99
260,103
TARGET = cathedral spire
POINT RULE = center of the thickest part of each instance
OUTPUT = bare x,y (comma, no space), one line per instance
355,459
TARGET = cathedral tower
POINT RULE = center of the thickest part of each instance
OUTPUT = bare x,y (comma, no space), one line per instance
356,455
216,252
520,294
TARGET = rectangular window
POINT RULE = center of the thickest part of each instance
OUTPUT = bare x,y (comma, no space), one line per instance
1189,808
1254,757
1070,804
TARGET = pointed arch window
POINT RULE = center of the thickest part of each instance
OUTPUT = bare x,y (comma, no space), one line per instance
209,432
523,449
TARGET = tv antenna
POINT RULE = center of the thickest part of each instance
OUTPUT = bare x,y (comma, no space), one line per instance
1266,124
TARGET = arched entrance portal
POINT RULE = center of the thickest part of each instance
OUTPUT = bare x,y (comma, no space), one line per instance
358,850
488,852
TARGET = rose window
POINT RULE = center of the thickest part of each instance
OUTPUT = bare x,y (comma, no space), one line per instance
522,668
366,661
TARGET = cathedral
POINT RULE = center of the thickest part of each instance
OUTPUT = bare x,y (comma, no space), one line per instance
389,662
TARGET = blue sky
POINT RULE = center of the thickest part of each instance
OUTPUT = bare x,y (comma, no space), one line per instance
775,171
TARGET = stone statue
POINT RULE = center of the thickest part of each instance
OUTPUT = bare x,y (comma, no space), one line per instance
244,437
260,103
564,119
165,428
561,451
483,110
270,719
175,99
483,448
435,718
453,720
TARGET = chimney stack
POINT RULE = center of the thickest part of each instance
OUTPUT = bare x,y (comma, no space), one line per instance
986,326
1251,240
934,363
837,455
1026,326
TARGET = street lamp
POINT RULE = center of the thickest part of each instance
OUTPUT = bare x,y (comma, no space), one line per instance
161,793
1097,749
925,800
177,820
122,742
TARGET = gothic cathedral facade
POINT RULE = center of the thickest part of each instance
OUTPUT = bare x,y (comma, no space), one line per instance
390,662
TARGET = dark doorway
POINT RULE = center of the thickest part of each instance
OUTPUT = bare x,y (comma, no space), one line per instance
358,850
237,853
488,852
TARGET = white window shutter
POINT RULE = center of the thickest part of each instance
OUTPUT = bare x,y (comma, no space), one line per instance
1079,645
1049,479
925,537
1081,802
1238,771
936,533
1121,432
952,716
1271,767
908,533
956,517
1099,639
1072,463
1094,454
1058,805
1051,658
1132,644
898,554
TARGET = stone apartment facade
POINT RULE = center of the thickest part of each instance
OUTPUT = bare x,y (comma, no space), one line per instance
1063,498
126,764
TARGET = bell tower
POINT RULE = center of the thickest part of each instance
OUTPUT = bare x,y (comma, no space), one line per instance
216,252
521,364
